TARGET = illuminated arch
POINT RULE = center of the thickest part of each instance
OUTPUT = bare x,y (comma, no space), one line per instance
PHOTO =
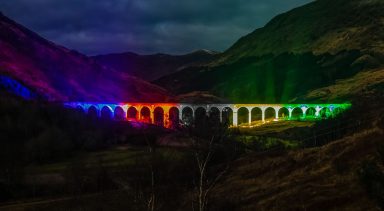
106,112
310,113
92,111
283,113
80,109
187,115
243,115
270,113
158,115
119,113
336,111
145,114
214,115
297,113
325,113
227,116
257,114
200,115
132,113
174,114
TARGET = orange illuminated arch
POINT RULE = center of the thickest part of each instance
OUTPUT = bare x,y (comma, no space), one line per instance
145,115
159,116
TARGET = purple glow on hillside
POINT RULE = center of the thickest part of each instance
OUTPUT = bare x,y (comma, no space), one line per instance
16,88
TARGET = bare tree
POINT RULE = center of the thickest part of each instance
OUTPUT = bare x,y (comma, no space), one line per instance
151,144
205,183
212,151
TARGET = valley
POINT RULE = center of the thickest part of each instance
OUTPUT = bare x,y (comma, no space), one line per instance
289,117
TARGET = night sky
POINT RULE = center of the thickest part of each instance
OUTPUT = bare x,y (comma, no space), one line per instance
144,26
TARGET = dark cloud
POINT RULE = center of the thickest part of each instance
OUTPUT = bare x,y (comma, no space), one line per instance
145,26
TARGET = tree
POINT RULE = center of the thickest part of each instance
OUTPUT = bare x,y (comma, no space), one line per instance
212,149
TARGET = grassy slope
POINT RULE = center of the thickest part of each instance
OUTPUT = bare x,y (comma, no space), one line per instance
323,178
357,85
323,26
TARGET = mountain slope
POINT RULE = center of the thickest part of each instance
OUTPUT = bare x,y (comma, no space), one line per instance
59,74
323,26
305,49
152,67
324,178
345,172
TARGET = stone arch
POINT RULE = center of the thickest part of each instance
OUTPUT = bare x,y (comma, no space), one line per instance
174,114
92,111
158,115
200,115
119,113
336,111
270,113
257,114
297,113
132,113
310,113
106,112
243,115
187,115
79,109
227,116
325,113
214,115
283,113
145,114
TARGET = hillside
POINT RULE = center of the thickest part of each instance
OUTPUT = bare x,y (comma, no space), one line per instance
152,67
324,178
344,174
56,73
303,50
323,26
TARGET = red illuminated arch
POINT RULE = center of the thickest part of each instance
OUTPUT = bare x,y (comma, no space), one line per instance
132,113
